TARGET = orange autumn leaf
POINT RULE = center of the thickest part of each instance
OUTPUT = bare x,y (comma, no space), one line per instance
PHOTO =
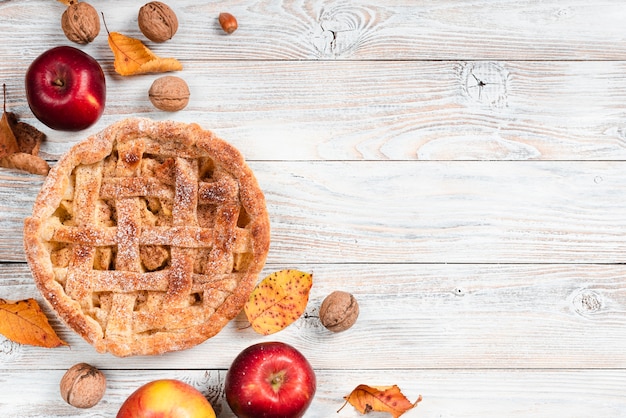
380,399
133,57
278,300
8,141
24,322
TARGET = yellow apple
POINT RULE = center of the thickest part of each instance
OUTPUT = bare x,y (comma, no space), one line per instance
166,398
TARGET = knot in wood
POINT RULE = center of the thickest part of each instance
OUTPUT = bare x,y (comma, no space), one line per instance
485,83
9,350
587,302
338,32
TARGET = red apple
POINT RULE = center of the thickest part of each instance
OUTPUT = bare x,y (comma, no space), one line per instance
166,398
270,380
65,89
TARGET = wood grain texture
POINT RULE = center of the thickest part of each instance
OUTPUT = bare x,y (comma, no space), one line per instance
375,110
360,30
450,393
457,165
430,316
419,212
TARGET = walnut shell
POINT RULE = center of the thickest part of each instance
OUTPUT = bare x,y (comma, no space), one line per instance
339,311
157,21
83,385
169,93
80,23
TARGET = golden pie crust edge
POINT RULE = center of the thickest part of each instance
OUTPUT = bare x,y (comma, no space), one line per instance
98,147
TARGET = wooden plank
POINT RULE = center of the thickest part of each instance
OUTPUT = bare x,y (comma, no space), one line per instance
418,211
425,316
470,393
364,30
448,212
452,110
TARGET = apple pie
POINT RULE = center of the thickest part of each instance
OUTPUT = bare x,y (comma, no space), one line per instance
148,237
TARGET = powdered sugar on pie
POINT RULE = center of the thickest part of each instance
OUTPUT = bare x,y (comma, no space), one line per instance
148,237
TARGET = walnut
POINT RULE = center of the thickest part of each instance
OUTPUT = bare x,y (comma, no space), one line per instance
157,21
339,311
83,385
169,93
80,23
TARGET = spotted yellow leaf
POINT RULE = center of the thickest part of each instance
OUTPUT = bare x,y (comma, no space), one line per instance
133,57
278,300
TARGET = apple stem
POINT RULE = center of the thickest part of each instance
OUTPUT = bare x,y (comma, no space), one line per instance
277,381
4,93
58,82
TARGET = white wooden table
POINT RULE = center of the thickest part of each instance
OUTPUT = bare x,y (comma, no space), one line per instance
459,166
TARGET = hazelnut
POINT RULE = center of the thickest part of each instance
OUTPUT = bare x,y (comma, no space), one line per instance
169,93
80,23
157,21
228,22
83,385
339,311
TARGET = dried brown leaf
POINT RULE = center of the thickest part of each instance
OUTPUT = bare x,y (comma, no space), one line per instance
28,137
19,144
25,162
8,142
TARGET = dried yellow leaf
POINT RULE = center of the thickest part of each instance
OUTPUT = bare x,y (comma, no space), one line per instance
133,57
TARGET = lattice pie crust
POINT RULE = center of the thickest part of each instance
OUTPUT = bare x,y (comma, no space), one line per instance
148,237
